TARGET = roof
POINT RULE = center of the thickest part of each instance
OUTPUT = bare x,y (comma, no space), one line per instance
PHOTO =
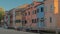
23,6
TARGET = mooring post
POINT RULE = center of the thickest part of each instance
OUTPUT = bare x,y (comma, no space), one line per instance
57,31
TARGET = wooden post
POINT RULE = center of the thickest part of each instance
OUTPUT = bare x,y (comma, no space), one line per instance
57,32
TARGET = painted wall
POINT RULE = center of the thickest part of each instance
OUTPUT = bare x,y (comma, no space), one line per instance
49,12
34,16
28,18
12,17
18,16
40,15
57,12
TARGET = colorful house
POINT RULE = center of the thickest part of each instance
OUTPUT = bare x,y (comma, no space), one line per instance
18,18
31,15
6,19
50,19
40,15
12,17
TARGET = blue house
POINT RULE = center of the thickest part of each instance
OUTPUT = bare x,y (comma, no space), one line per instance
40,15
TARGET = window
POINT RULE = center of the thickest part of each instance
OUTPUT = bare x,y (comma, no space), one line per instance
42,20
51,7
25,14
32,12
37,10
18,21
42,9
37,19
50,20
46,8
28,13
34,21
17,13
22,21
25,21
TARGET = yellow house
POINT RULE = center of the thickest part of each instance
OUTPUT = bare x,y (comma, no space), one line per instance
18,18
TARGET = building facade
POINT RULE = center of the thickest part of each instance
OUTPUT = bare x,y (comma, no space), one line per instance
46,15
57,13
36,15
6,19
12,17
32,15
40,15
51,13
18,18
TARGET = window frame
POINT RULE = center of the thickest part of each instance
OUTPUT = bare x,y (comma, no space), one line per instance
42,9
50,19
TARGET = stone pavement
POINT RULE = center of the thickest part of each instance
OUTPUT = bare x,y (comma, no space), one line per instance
8,31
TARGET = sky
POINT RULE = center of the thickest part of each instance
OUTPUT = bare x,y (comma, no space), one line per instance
10,4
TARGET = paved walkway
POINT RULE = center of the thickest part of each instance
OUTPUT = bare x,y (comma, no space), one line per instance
8,31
